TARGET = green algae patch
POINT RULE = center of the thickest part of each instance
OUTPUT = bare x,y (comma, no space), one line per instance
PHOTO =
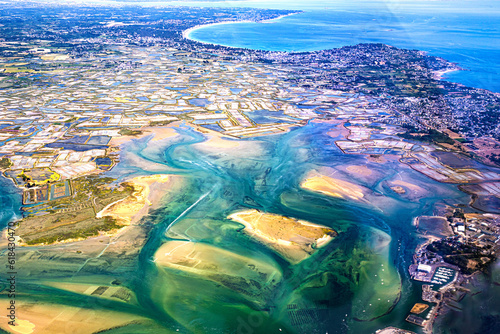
227,290
379,285
204,306
246,275
201,229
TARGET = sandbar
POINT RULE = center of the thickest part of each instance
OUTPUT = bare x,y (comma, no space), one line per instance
398,190
332,187
295,240
216,264
112,292
46,318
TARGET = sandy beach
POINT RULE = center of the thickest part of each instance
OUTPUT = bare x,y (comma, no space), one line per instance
438,75
293,239
187,32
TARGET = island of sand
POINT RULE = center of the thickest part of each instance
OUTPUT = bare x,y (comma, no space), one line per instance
294,240
332,187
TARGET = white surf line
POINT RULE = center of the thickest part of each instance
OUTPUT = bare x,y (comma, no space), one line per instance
188,209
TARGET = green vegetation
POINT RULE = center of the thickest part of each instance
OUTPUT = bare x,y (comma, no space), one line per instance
98,189
467,256
431,136
72,119
159,123
5,163
39,176
494,158
106,224
74,216
129,132
458,213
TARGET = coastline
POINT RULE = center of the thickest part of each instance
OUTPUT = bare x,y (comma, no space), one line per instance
128,211
438,75
185,33
149,190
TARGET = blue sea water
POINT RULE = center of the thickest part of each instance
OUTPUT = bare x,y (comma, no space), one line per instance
463,32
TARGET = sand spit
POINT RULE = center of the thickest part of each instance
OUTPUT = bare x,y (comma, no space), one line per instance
293,239
132,208
332,187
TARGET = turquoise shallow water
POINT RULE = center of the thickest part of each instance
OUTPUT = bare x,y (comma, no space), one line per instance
269,181
332,287
468,38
